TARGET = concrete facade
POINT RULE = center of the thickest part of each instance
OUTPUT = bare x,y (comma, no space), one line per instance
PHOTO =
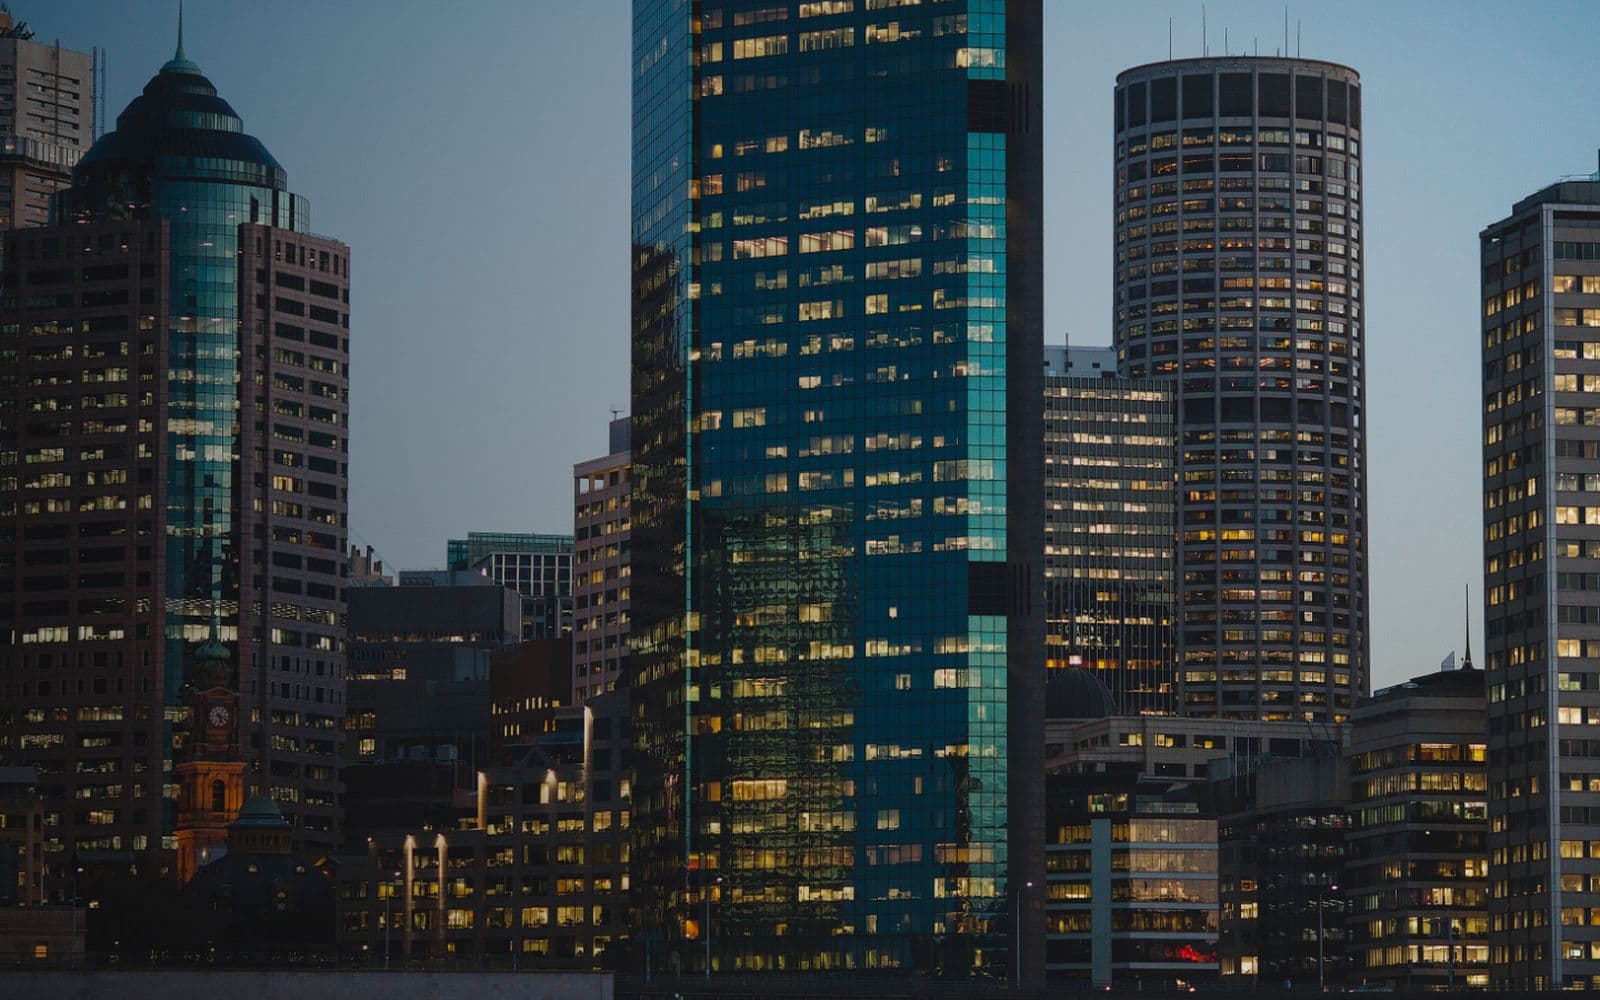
1238,273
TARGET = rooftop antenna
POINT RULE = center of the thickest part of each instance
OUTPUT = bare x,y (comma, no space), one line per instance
1297,38
1285,31
1169,39
1205,46
180,56
1224,39
1466,661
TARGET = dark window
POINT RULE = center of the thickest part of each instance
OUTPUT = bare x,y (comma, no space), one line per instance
1355,107
1163,100
1200,410
1338,101
1308,97
1235,95
1135,104
1274,95
1197,96
219,797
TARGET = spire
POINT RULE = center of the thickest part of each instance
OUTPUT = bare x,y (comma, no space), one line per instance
179,63
1466,662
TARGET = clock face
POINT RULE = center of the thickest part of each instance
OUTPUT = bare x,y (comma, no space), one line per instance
218,716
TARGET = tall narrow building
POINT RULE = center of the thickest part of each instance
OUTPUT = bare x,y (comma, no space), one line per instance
46,120
602,575
175,401
1108,527
1238,274
1541,577
837,594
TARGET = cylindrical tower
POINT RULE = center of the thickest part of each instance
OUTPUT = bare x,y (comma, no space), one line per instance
1238,276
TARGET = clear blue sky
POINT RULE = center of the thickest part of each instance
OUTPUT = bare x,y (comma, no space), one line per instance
475,156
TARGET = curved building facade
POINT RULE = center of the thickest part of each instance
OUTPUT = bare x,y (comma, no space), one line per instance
1238,276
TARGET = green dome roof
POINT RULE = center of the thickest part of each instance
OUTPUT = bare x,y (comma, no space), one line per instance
259,810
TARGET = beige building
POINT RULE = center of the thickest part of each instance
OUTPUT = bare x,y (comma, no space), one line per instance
601,576
46,121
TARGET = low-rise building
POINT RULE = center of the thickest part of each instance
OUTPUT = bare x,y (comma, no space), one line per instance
1281,825
1418,867
531,869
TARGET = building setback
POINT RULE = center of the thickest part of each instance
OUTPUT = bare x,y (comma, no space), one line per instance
1238,274
837,590
602,580
1541,569
178,349
1108,524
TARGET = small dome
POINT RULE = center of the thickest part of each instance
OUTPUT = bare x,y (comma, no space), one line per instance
259,810
1077,693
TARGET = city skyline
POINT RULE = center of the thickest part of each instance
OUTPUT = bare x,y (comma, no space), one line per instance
533,405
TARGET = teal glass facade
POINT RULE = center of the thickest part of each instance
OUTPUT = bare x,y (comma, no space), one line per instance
837,635
179,155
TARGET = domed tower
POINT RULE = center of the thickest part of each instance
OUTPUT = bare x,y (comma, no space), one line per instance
177,285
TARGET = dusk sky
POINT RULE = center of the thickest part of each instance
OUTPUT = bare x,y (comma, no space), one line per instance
475,156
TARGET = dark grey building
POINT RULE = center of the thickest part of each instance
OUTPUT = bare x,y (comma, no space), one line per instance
419,670
1417,873
538,567
1238,274
1108,525
1281,897
1541,575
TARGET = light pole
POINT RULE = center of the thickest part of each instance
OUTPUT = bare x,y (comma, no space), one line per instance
706,898
1321,892
1018,943
72,905
388,901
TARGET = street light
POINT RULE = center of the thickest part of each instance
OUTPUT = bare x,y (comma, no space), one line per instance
1321,892
1018,943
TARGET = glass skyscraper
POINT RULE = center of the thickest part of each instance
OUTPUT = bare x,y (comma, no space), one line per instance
837,652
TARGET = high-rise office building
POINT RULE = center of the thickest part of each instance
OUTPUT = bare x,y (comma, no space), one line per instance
46,121
602,580
1541,571
837,594
539,567
178,417
1238,274
1108,526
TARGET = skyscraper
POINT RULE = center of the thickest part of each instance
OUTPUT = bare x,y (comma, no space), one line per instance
1108,526
837,642
1238,273
1541,572
46,121
177,356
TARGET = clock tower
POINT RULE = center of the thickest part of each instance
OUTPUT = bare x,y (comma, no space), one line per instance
211,774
